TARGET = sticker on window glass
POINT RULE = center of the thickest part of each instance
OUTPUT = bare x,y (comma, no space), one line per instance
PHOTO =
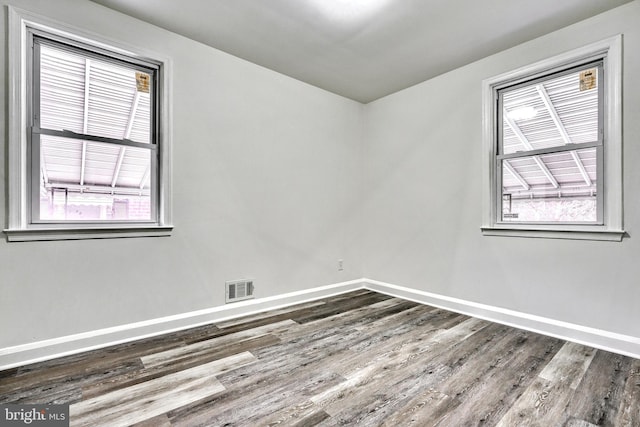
588,79
142,82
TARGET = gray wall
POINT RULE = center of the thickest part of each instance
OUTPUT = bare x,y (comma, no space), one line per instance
265,185
423,197
276,180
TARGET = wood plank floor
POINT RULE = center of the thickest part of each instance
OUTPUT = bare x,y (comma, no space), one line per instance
360,358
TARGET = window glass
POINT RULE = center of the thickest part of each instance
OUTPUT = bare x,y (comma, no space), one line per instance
82,94
553,112
71,192
91,96
549,147
529,197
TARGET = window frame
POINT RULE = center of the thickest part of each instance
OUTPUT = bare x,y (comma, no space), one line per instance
20,226
610,227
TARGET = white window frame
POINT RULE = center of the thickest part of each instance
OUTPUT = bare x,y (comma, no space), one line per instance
19,226
610,52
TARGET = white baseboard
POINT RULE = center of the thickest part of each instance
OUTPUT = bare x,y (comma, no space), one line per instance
597,338
52,348
38,351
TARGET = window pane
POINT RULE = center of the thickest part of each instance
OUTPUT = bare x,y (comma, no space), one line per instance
550,113
559,187
89,96
84,180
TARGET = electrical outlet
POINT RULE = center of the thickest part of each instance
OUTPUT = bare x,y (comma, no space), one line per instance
340,265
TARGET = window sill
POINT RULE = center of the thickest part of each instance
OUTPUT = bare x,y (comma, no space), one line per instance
44,234
600,235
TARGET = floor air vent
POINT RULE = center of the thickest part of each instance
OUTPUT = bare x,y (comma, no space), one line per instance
238,290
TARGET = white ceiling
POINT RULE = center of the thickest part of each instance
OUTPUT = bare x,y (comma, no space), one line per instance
362,56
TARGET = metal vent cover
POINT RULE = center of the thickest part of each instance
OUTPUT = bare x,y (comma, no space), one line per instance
238,290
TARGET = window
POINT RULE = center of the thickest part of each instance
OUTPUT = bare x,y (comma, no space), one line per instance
91,143
550,148
552,139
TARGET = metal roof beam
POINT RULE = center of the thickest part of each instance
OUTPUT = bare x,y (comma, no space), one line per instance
514,127
83,162
101,189
85,120
132,115
43,167
87,76
581,167
127,134
564,191
144,177
563,131
516,175
546,171
523,139
116,171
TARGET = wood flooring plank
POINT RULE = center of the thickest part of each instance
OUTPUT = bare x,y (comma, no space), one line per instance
287,311
411,315
430,401
393,321
314,347
158,421
376,397
365,313
145,374
193,350
629,410
359,320
493,398
112,354
344,306
600,392
309,357
252,402
48,393
288,415
284,395
8,373
190,334
421,340
570,363
579,423
486,387
379,341
63,385
539,405
383,314
420,372
288,358
87,367
546,398
153,398
288,361
396,371
334,304
318,351
313,419
285,362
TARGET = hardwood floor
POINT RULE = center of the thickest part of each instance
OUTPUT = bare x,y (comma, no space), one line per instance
356,359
